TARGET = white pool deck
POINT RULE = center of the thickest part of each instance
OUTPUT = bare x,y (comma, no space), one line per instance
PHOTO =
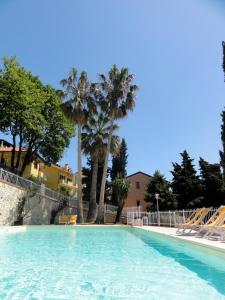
172,232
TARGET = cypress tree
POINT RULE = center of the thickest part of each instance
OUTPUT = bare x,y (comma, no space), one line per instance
119,162
211,183
118,170
222,152
223,64
185,183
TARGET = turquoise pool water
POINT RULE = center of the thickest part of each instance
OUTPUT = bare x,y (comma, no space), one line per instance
105,263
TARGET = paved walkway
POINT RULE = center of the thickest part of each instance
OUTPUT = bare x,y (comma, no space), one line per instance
168,231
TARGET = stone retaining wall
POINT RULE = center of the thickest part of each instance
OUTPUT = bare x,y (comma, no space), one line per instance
37,208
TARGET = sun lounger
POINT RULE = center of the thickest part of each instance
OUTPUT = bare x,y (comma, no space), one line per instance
190,220
63,219
215,225
73,219
221,231
198,220
213,219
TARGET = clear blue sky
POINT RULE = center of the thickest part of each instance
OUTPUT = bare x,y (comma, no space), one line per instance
172,46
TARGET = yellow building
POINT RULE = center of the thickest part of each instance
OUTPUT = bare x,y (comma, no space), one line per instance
53,176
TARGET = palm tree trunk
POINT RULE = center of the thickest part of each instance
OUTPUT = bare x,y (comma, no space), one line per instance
100,219
19,153
92,204
80,218
119,211
13,152
27,159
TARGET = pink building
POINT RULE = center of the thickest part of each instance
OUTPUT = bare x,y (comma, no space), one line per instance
139,182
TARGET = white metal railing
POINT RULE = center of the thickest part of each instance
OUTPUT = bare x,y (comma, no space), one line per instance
112,209
162,218
30,185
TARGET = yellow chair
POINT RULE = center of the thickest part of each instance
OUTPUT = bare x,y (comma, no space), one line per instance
199,219
190,220
217,223
63,219
73,219
213,219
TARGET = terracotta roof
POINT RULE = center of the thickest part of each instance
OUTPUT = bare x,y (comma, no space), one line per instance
10,148
139,172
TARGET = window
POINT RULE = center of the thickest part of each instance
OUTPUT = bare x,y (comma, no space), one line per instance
138,203
137,185
36,164
62,177
69,180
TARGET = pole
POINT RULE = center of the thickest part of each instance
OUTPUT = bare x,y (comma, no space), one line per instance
157,205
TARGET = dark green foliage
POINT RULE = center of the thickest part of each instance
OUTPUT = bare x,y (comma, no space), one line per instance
64,190
21,213
63,204
211,184
121,187
159,185
223,64
222,153
185,183
119,164
86,182
31,113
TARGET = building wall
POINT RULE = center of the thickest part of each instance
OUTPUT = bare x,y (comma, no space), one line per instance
139,182
53,176
50,173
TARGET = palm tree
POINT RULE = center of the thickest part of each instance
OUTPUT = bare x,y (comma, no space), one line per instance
94,144
117,94
78,107
121,187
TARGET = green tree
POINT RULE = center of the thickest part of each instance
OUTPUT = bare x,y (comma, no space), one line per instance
121,187
159,185
222,152
31,113
185,183
223,64
117,98
94,142
211,183
119,164
87,179
78,107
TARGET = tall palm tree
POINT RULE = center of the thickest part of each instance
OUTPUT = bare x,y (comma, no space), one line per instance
117,94
78,107
94,143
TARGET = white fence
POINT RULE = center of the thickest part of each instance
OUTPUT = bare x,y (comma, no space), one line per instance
162,218
112,209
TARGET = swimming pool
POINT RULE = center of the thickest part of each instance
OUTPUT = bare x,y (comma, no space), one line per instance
63,262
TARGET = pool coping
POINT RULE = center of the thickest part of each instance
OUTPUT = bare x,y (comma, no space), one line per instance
171,233
165,231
